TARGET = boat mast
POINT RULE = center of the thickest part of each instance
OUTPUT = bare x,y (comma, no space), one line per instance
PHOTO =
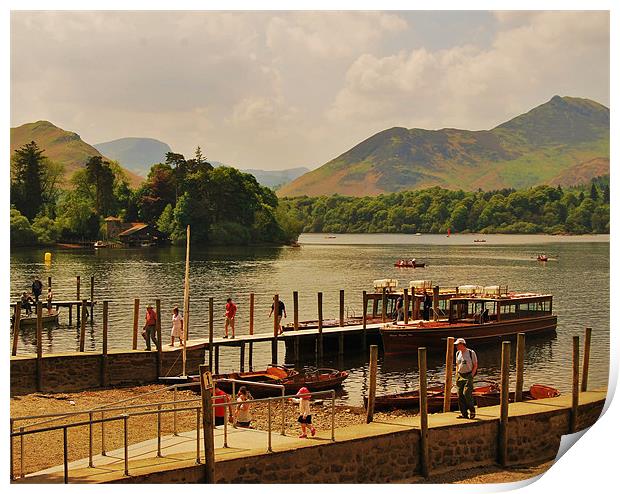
186,304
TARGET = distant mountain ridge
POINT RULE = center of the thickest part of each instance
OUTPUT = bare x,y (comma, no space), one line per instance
60,145
564,141
136,153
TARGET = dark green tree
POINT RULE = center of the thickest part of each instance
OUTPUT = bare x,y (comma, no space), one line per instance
27,177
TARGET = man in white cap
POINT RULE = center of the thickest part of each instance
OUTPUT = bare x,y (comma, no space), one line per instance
466,368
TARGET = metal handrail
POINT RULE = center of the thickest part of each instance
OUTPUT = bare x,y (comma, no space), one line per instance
125,417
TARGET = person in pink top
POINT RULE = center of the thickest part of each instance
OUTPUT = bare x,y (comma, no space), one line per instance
231,311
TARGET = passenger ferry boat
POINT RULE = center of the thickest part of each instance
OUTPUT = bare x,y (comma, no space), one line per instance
478,314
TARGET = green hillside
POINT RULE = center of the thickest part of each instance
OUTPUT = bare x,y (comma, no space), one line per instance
60,145
564,141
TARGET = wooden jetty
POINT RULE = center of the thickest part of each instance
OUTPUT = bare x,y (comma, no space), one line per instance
66,304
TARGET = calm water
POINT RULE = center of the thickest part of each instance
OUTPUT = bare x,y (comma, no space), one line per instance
577,275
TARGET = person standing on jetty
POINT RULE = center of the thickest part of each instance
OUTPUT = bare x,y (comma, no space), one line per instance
50,297
281,311
177,326
466,369
148,333
231,311
427,303
37,288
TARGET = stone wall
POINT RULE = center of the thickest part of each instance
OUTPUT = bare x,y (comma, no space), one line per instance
80,371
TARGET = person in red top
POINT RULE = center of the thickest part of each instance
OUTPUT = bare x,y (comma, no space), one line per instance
220,412
231,311
148,333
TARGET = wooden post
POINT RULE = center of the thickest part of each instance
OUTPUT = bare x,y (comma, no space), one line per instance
364,310
16,323
341,344
92,299
383,305
449,373
39,346
295,311
49,282
520,359
575,403
70,314
274,341
207,425
320,310
586,360
435,302
136,317
504,397
211,334
406,306
104,351
159,342
77,297
372,385
242,357
252,313
424,461
217,359
83,325
341,308
250,352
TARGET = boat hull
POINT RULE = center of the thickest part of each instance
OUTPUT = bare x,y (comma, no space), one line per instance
398,339
47,319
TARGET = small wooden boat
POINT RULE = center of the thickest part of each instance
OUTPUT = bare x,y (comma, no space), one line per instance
485,396
48,318
318,380
542,258
479,240
412,263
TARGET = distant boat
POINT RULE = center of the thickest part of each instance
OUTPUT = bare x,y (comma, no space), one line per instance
330,236
418,234
542,257
477,240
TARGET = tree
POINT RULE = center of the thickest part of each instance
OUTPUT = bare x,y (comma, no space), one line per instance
27,179
21,231
99,174
594,192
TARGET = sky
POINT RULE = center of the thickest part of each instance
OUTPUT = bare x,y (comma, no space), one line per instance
275,90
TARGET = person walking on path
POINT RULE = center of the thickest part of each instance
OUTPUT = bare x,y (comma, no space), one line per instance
243,418
37,288
281,311
231,311
177,326
305,417
149,332
466,369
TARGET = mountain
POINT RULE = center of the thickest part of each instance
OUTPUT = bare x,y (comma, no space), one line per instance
277,178
60,145
564,141
136,153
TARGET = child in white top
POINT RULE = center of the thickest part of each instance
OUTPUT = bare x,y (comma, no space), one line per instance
305,418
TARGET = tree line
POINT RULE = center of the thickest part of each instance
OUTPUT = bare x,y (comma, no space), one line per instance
222,205
541,209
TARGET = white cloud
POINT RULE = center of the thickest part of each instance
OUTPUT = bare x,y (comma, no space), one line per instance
467,86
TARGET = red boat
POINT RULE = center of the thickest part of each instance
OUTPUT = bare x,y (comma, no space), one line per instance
477,318
485,396
408,263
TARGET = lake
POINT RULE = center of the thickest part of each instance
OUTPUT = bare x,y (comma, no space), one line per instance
577,274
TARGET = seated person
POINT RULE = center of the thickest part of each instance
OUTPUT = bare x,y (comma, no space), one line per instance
25,302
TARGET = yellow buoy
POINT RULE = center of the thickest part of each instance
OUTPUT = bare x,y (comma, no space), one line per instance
48,257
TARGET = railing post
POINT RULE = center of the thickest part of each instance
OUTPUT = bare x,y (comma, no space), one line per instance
103,451
226,418
104,351
274,341
575,401
504,398
21,453
174,414
333,415
12,452
158,331
90,440
423,412
283,414
92,298
16,324
159,431
65,455
77,297
207,425
198,436
341,314
269,450
520,360
126,443
372,388
447,393
242,356
136,317
586,360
